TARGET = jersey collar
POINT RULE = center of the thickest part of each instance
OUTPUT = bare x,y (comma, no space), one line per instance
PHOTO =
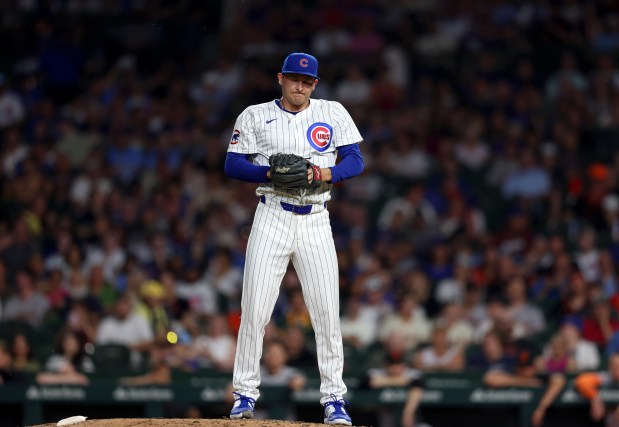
279,104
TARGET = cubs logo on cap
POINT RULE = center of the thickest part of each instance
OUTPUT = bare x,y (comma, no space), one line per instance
319,136
235,137
301,63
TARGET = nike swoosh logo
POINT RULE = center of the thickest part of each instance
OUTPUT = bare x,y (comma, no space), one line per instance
269,121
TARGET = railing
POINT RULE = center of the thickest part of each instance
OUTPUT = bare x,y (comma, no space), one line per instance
442,391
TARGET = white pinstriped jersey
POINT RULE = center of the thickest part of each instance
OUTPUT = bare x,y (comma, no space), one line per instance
314,133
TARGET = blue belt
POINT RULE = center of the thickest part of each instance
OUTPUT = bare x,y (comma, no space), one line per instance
298,209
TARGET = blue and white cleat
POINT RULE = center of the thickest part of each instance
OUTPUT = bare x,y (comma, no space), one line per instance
335,412
243,407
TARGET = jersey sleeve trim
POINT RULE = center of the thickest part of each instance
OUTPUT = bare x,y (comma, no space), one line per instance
243,139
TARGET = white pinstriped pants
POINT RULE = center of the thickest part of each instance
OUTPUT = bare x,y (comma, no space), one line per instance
277,237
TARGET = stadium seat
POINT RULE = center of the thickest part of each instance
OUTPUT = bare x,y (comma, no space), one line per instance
10,328
112,359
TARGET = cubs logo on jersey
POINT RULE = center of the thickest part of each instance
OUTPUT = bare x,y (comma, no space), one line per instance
235,137
319,136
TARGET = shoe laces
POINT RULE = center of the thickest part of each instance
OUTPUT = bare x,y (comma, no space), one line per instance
338,403
244,399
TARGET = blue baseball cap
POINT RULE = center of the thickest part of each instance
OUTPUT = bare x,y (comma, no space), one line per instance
301,63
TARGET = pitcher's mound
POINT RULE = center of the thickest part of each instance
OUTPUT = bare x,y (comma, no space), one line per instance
167,422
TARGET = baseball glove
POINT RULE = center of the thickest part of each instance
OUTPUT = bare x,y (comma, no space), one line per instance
291,172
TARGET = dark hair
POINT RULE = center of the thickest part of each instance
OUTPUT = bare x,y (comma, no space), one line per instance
277,342
14,338
76,360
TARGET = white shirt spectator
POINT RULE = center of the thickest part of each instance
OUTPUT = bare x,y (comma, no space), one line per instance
429,359
355,88
229,283
219,348
449,290
530,317
134,329
32,309
112,257
397,62
58,363
329,41
415,163
355,327
473,155
401,205
586,356
11,108
584,352
589,265
200,295
12,157
460,333
412,332
281,378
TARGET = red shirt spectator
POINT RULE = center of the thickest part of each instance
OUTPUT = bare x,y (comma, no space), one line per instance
599,326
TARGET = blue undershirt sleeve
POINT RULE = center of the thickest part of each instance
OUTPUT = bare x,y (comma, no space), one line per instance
350,165
238,166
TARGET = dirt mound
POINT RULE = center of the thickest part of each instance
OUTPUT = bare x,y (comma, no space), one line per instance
166,422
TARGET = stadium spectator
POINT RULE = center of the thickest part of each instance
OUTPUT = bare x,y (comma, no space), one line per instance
354,88
530,317
585,353
225,277
11,105
600,322
491,355
100,288
588,256
376,301
69,364
83,317
459,331
588,385
274,370
28,304
557,357
522,373
215,349
404,209
22,354
55,290
299,355
575,296
613,345
408,324
530,181
355,330
151,308
471,151
159,370
475,309
7,373
297,314
441,354
451,289
608,276
394,372
199,293
125,327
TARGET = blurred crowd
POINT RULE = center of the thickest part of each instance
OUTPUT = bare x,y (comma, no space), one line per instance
485,225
